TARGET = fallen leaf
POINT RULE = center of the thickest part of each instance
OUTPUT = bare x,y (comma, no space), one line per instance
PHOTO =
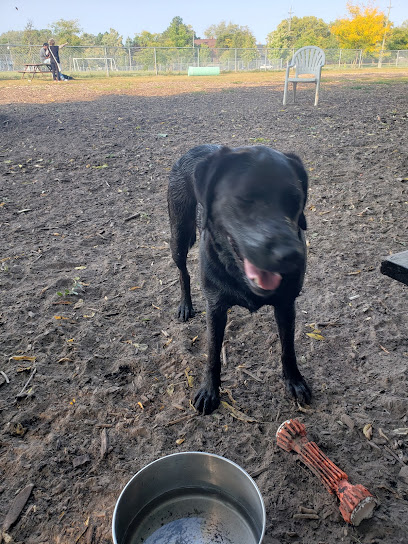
170,389
18,429
368,431
60,317
22,358
140,405
190,379
315,335
179,441
80,268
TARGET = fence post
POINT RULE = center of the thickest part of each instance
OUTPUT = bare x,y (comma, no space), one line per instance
397,59
198,56
360,59
155,62
235,59
339,58
130,60
106,62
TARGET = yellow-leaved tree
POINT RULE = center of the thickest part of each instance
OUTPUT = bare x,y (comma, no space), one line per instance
363,29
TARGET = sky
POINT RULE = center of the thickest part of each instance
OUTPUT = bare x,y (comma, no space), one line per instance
130,17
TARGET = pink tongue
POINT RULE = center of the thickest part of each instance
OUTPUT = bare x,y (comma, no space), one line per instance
269,281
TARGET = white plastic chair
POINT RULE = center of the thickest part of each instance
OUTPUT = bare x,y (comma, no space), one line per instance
306,61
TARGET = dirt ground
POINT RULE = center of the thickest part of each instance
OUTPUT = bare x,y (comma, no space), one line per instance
89,294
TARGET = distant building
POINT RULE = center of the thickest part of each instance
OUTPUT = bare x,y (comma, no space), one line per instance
209,42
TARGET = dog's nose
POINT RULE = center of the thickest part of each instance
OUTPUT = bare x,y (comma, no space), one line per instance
282,258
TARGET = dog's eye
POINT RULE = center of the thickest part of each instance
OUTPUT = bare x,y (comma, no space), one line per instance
245,201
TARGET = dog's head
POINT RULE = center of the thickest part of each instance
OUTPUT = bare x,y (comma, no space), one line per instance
254,197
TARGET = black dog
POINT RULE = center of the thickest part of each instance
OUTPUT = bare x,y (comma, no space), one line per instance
252,248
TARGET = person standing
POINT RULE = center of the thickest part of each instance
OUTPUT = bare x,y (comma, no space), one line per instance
55,60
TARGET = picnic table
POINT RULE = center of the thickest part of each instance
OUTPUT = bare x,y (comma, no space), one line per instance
33,69
396,267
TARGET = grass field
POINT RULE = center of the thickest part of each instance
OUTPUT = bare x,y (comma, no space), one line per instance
43,90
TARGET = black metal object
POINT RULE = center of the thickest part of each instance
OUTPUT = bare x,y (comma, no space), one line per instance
396,267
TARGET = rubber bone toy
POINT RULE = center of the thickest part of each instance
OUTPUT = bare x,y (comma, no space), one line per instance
356,502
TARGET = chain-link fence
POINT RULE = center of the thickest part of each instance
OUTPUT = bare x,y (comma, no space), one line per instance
160,60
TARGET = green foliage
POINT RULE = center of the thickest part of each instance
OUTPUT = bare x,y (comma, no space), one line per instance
64,31
231,36
397,38
363,29
110,39
178,34
299,32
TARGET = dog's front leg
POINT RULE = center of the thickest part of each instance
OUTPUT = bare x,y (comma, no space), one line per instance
296,385
207,398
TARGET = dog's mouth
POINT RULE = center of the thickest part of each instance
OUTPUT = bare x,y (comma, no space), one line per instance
262,282
263,279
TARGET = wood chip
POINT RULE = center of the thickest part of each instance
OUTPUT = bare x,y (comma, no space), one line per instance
305,516
347,421
104,443
80,460
17,507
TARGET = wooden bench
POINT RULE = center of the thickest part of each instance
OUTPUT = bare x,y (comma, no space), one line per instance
32,69
396,267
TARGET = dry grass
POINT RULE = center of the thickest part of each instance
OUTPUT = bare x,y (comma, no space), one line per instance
41,90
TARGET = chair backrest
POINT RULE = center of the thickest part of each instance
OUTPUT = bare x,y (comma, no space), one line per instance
308,60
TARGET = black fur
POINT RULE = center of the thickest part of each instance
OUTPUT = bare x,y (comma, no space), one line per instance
248,203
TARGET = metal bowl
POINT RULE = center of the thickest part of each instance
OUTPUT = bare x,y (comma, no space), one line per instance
190,498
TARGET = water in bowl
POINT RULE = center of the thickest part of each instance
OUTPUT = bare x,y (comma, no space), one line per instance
193,516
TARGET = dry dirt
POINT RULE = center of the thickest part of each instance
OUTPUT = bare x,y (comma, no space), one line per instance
89,295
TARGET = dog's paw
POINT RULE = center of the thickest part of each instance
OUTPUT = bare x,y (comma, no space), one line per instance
298,389
185,311
206,400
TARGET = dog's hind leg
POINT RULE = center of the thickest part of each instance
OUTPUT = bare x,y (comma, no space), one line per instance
296,385
207,398
183,236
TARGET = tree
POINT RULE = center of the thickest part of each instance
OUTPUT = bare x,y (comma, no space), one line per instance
88,39
398,37
12,36
363,29
146,39
231,36
178,34
301,31
110,39
67,31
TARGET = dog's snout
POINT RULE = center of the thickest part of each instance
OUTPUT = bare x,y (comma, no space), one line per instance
276,253
285,254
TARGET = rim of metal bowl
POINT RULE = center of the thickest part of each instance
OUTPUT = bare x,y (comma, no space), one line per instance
191,453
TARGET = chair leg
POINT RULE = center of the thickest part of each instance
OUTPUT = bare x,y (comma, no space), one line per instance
317,93
294,91
285,92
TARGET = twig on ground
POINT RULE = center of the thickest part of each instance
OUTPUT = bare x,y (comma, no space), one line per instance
251,375
134,216
23,391
181,419
5,376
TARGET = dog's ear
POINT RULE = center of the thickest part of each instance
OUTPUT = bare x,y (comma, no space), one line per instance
297,165
206,174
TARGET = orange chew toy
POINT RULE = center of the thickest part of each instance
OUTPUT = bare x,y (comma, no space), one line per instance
356,502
